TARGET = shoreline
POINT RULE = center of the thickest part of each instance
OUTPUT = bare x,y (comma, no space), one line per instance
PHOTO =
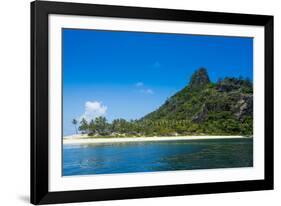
78,139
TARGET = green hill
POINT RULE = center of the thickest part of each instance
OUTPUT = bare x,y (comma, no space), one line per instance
203,107
200,108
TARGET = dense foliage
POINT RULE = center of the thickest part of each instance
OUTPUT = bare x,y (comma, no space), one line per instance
201,108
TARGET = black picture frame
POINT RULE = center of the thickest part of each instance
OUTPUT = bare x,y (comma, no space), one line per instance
39,102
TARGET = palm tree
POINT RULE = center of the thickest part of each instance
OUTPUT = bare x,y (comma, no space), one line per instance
101,125
84,126
74,121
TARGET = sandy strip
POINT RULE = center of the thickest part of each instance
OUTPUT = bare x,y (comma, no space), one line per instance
83,140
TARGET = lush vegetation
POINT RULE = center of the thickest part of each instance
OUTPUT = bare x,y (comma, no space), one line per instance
201,108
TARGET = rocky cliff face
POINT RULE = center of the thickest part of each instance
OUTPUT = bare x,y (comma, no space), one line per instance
242,107
229,102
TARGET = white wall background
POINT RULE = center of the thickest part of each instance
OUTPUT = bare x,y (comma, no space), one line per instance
14,102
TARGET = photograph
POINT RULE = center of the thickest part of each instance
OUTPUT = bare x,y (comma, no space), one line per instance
133,102
155,102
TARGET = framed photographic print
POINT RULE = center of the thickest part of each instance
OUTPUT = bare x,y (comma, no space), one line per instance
131,102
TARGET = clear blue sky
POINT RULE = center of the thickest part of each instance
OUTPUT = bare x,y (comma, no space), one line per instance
129,74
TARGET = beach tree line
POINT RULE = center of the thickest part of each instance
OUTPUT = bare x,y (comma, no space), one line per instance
100,127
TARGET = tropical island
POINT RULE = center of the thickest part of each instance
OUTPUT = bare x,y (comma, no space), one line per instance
202,108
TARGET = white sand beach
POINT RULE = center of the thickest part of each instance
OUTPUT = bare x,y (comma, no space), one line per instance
84,139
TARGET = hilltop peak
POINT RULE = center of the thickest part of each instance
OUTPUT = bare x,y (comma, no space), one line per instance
199,79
